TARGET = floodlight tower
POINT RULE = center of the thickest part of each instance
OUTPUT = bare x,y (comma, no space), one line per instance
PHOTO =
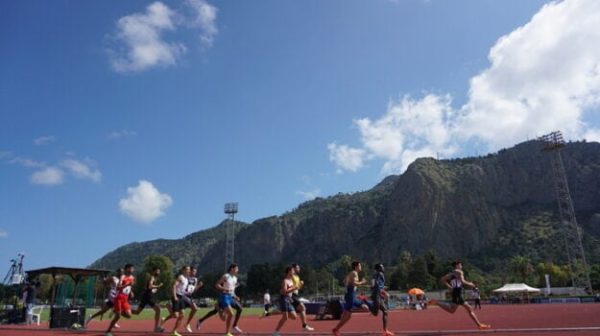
571,232
15,274
230,209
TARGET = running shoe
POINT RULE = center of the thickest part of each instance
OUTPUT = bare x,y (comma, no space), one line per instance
159,329
188,327
117,326
276,333
336,332
484,326
229,334
237,329
108,334
175,333
308,328
387,333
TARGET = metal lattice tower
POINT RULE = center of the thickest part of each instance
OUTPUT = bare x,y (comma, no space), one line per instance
578,267
230,209
15,274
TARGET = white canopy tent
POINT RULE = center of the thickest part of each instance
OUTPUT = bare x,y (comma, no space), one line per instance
516,288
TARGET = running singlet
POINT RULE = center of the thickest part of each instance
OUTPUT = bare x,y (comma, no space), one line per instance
378,283
455,281
296,280
112,293
191,286
288,284
230,282
181,285
126,283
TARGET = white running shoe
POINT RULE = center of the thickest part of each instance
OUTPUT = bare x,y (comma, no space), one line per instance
117,326
308,328
276,333
237,329
188,327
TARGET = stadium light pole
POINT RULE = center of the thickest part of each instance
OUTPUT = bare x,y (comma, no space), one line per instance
230,209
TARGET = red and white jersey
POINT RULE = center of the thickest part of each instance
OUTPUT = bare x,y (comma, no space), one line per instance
126,284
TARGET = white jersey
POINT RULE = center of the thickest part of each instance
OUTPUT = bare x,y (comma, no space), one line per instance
267,298
181,285
112,292
230,283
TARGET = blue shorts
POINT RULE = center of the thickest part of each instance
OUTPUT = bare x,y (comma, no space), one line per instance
225,300
285,304
350,302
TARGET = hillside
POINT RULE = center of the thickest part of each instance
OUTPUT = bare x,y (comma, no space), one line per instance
486,208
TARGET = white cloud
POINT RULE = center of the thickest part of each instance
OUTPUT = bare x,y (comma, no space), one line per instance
310,194
543,76
44,140
3,234
143,44
205,17
82,170
49,176
144,203
25,162
120,134
346,158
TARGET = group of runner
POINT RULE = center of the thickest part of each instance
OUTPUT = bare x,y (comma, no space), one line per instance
290,304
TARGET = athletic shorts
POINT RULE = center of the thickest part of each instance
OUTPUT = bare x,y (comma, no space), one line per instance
378,303
225,300
286,304
121,304
180,304
457,296
296,300
109,303
350,302
147,300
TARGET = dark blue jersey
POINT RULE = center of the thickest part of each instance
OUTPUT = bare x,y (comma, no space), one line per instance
378,282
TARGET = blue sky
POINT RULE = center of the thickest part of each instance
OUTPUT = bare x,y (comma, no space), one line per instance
128,121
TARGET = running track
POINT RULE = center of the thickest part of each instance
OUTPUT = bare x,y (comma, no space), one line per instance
549,319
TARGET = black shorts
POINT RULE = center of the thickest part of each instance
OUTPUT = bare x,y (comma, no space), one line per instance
378,304
109,303
147,300
457,296
296,300
181,303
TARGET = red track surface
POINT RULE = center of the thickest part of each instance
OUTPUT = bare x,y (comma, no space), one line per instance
554,319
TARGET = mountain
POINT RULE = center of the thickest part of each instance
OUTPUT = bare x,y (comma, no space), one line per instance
485,208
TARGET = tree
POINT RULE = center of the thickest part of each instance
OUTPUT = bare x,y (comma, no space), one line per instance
595,276
521,268
559,276
166,276
399,277
418,276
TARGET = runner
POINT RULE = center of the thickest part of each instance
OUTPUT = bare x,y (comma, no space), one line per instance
226,285
121,301
148,299
350,301
298,305
285,300
192,287
454,281
378,296
476,297
112,283
178,299
267,302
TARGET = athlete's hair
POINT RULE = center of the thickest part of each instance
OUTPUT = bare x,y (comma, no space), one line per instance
456,262
288,269
119,271
232,266
294,265
193,268
379,267
155,268
127,266
355,264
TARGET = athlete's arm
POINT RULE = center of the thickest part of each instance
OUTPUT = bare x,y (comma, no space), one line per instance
462,279
175,289
219,284
444,280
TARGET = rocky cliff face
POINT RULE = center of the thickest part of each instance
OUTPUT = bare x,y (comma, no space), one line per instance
486,207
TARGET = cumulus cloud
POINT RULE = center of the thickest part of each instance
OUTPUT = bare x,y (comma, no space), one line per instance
345,157
3,234
143,45
48,176
144,203
44,140
26,162
204,18
120,134
543,76
145,40
82,170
